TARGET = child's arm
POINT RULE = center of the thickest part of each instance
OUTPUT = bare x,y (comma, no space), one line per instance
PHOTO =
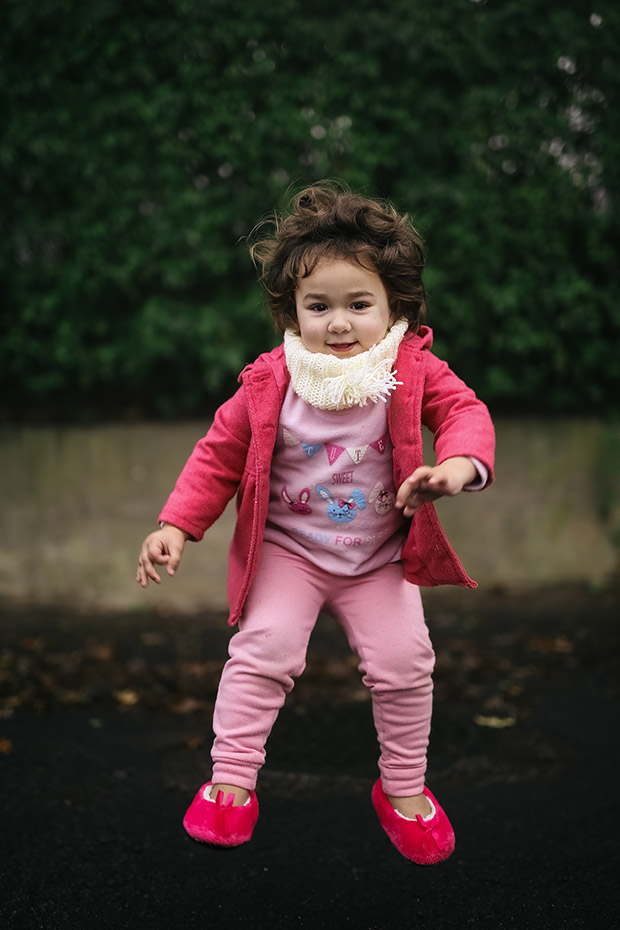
212,474
429,483
460,423
163,547
208,481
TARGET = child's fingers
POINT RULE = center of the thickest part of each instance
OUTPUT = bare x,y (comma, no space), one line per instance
437,484
422,486
157,551
416,486
146,572
152,552
143,578
174,559
411,484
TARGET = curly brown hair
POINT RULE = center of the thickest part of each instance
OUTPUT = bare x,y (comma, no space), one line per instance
328,221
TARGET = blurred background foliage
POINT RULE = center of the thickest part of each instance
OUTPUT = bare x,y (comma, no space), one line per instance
142,141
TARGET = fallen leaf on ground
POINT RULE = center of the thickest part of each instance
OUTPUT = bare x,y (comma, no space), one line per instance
126,698
496,723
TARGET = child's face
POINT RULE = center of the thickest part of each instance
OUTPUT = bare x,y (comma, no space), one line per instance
342,309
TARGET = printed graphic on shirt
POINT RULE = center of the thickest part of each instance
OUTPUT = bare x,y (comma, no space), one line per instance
357,453
339,510
289,439
332,493
380,444
300,505
382,498
343,477
333,450
340,540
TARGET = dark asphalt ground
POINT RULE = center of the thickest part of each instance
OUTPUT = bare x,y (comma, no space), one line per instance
104,739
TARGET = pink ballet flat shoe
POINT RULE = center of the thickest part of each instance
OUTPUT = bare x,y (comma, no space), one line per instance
424,840
217,821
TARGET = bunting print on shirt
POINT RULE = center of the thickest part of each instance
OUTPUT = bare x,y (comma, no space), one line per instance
333,450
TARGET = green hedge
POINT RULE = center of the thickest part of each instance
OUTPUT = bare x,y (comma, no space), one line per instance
142,141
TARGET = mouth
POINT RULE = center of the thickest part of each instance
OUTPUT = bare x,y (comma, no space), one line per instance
341,346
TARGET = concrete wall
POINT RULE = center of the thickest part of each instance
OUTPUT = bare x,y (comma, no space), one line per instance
77,503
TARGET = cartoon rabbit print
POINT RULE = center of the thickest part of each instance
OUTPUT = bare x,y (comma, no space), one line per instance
301,504
381,498
341,511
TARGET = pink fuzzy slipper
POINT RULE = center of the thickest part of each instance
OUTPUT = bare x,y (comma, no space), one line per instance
217,821
424,840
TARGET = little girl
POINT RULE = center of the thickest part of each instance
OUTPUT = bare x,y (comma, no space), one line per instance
322,444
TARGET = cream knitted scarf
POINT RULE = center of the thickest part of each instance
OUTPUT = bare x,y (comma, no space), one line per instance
332,383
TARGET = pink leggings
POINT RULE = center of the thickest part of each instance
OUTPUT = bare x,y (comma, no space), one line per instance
382,616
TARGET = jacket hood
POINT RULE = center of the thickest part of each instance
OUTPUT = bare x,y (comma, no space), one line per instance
423,339
267,362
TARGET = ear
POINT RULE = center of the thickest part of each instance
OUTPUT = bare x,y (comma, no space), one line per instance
324,493
376,491
284,495
359,499
304,495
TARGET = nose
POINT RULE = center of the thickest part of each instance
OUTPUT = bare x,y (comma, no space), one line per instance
339,322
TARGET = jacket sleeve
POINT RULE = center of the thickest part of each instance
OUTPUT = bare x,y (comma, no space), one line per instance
460,423
212,473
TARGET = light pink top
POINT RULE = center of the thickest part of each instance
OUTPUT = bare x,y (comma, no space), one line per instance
332,487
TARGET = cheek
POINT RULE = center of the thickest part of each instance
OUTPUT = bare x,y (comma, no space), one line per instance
306,330
308,321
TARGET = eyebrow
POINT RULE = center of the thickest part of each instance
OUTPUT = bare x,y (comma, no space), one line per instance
352,296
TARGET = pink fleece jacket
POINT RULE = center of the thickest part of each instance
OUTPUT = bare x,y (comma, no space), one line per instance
235,457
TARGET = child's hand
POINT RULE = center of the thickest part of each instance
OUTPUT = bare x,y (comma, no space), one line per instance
429,484
163,547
